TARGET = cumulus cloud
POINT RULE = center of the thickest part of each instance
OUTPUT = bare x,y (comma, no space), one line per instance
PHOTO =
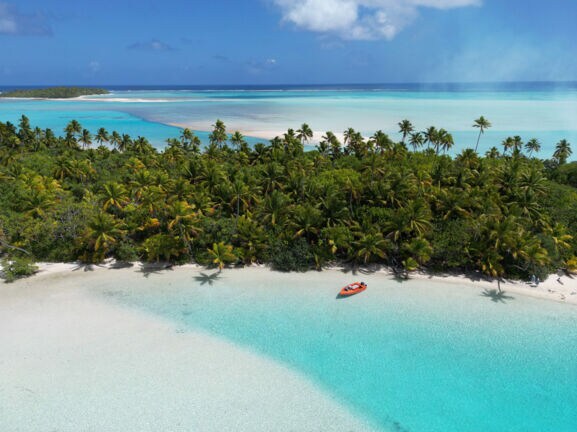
152,45
360,19
14,22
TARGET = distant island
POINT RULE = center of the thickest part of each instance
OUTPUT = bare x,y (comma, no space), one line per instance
55,92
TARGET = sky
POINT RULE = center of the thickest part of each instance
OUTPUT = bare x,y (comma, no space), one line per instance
267,42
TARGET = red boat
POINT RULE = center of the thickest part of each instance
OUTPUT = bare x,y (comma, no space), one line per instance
353,288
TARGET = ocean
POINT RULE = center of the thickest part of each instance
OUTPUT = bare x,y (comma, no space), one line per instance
546,111
419,355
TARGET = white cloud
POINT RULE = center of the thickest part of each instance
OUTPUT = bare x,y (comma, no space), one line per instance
13,22
360,19
151,45
94,66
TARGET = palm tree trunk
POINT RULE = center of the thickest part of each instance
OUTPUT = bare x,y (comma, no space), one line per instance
478,138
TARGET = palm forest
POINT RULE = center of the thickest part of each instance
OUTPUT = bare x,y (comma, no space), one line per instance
362,202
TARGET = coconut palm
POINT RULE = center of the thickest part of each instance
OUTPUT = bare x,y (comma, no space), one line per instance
562,151
115,196
305,133
445,140
381,141
103,231
370,245
431,136
102,136
406,128
416,140
508,143
85,138
533,145
237,140
73,127
125,143
222,254
218,135
482,123
115,139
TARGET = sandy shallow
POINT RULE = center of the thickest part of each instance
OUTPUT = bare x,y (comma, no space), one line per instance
72,362
255,130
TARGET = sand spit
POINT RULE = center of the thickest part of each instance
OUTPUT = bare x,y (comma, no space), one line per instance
72,362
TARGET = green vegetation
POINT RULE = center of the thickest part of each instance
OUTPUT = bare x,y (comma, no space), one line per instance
54,92
358,202
17,267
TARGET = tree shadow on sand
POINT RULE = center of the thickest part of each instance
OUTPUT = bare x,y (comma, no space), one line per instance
83,266
207,279
497,296
154,268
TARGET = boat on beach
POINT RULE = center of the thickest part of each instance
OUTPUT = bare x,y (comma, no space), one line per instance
352,289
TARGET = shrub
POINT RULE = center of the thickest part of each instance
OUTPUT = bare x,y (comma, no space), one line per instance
291,256
16,267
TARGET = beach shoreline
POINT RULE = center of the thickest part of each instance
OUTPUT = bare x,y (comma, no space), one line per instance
253,131
557,287
76,352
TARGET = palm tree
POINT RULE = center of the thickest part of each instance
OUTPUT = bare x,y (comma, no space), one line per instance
142,146
85,138
115,139
406,128
533,145
237,140
124,143
445,140
416,140
381,141
189,141
102,136
183,220
73,127
305,133
348,136
222,254
517,144
562,151
333,143
115,195
507,144
431,136
70,141
218,135
371,245
482,123
102,233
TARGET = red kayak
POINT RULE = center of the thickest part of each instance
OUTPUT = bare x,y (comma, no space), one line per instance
353,288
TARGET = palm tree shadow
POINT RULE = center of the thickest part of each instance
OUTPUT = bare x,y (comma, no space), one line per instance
207,279
83,266
497,296
154,268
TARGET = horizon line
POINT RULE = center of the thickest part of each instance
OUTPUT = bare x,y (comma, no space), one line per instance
393,83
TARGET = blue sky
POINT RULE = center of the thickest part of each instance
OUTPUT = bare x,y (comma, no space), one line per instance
285,41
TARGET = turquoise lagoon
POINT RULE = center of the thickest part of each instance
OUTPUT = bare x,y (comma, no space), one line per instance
416,356
546,111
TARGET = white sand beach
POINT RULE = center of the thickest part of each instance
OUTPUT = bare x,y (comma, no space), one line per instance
72,362
255,130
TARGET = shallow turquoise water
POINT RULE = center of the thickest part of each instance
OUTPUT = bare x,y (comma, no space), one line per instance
531,111
416,356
